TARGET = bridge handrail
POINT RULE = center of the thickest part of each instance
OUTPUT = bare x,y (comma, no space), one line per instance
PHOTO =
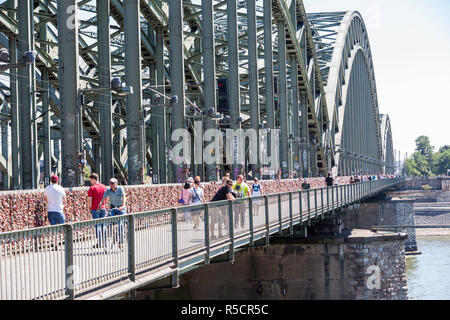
98,252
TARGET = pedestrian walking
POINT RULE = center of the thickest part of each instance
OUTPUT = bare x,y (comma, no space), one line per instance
329,180
196,196
184,198
219,215
117,204
95,196
55,196
242,191
256,192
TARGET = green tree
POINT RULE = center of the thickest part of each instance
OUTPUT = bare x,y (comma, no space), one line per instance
411,168
424,147
418,165
441,161
443,149
425,162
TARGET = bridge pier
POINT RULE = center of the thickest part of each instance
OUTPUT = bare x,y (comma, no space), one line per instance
363,265
382,211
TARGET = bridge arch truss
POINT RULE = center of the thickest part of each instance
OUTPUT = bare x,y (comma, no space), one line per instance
346,62
308,76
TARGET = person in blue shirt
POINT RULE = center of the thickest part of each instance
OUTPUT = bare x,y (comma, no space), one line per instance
117,198
117,204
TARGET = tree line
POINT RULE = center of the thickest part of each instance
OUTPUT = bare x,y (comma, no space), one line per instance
427,163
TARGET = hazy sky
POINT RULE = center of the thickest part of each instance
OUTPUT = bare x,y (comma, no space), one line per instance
410,41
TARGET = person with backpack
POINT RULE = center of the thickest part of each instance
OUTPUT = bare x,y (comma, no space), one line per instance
184,198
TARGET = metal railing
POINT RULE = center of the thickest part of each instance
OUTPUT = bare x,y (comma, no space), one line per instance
68,260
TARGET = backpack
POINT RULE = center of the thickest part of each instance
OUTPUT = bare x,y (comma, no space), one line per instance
181,201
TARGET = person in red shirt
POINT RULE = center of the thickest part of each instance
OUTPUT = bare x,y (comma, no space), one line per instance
95,195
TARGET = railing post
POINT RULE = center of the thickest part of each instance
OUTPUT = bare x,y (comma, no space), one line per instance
360,192
322,208
315,203
131,248
174,213
342,196
308,193
251,226
291,214
300,206
266,206
230,213
280,219
347,194
328,199
332,199
337,197
207,239
68,255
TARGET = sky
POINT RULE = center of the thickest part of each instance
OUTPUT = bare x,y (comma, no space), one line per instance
410,43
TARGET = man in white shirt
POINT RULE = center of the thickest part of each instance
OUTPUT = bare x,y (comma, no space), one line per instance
55,195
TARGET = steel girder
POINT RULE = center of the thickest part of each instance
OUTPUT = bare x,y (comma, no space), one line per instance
310,43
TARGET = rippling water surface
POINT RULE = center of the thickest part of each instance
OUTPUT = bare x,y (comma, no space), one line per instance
429,273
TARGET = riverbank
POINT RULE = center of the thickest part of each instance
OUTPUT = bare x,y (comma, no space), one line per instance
432,214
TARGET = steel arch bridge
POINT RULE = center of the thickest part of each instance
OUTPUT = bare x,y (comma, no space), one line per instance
308,76
363,142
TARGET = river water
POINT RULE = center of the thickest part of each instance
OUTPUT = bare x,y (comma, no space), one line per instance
429,273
